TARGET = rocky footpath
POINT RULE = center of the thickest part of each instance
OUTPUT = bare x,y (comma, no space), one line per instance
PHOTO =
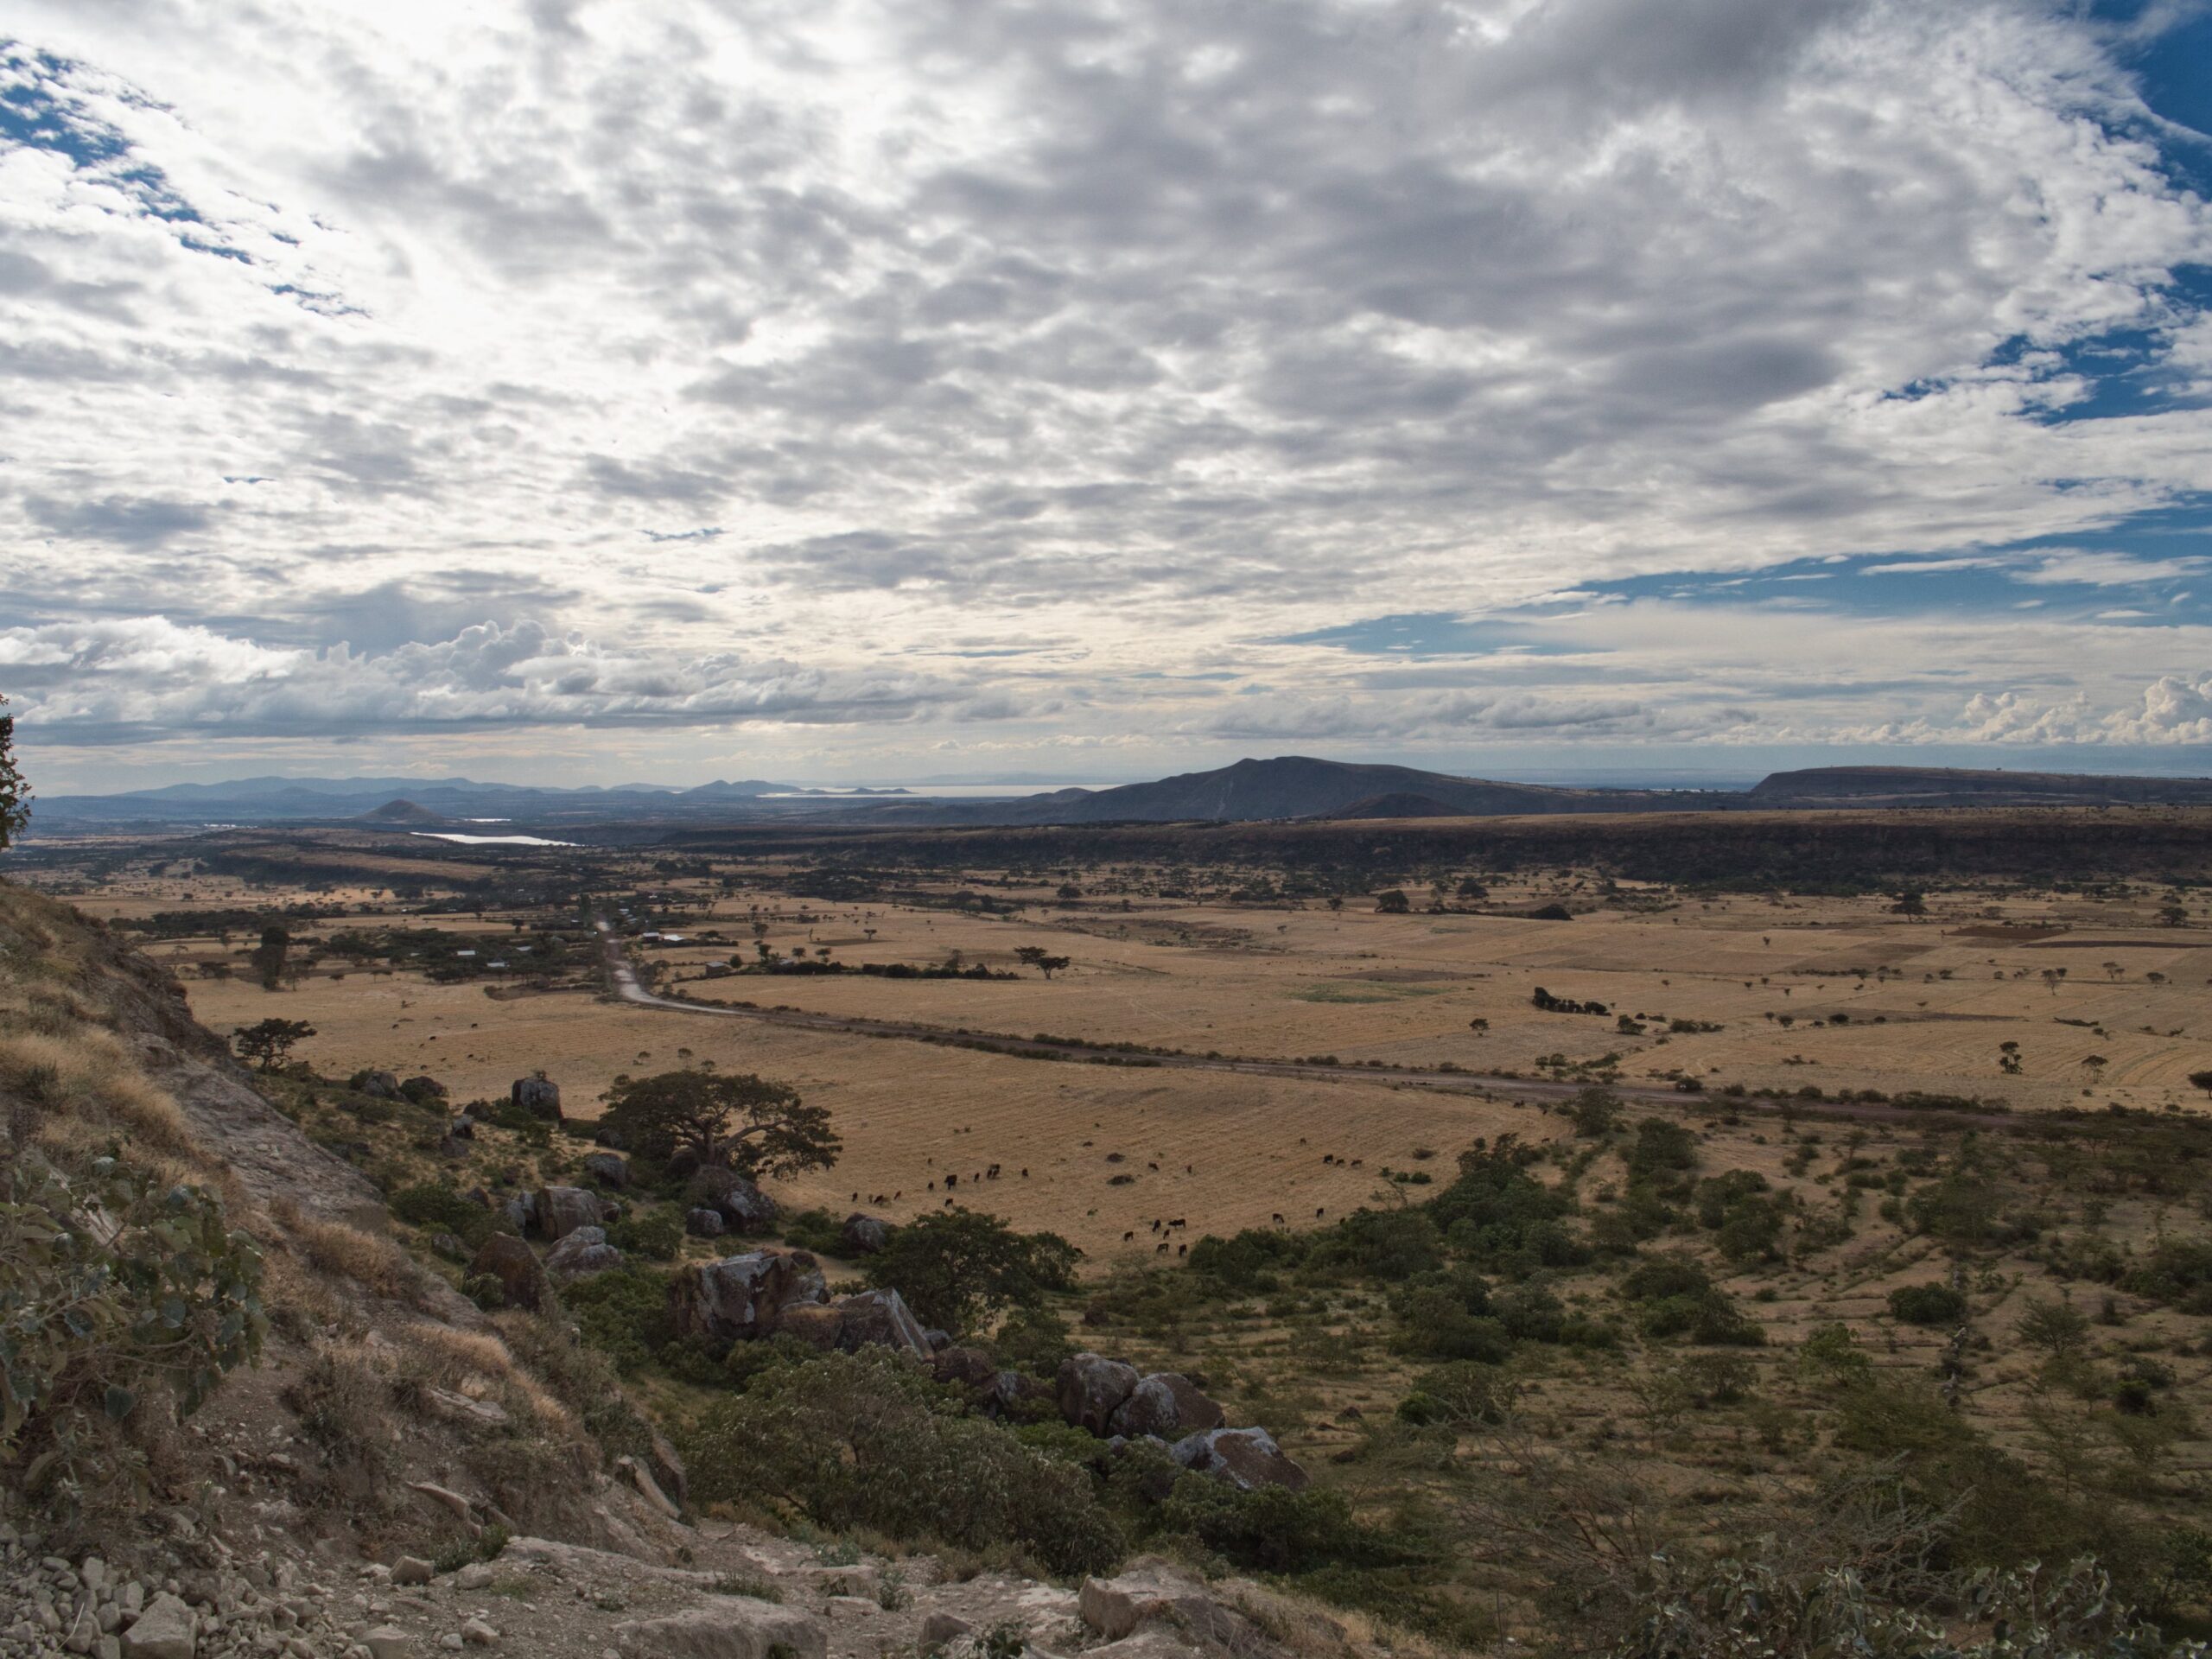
741,1595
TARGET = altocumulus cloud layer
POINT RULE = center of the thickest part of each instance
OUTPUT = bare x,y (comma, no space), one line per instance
1090,383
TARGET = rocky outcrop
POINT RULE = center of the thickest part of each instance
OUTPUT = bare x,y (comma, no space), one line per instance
609,1169
863,1234
560,1210
1118,1607
522,1279
703,1222
1166,1404
741,1298
879,1318
379,1086
1247,1458
580,1255
1092,1389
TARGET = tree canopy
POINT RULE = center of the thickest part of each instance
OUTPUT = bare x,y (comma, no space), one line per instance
956,1269
269,1042
755,1126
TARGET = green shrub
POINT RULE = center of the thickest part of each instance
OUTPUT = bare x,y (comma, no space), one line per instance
623,1314
443,1209
654,1234
1462,1393
160,1298
1927,1304
814,1229
865,1440
959,1267
1272,1529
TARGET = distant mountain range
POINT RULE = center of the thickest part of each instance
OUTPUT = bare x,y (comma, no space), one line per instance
1288,786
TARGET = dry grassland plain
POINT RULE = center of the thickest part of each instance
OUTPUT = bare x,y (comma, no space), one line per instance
2103,1003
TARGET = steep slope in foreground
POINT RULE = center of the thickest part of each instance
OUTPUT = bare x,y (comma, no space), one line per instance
395,1473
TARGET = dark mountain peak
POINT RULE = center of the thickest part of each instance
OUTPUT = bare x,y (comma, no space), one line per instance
401,811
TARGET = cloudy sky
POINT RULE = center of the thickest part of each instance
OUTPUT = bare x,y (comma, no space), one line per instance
848,389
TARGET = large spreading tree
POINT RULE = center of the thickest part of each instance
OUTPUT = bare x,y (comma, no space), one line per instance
754,1126
956,1269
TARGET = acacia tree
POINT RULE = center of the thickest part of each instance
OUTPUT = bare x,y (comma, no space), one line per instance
15,794
1038,957
269,1043
754,1126
268,956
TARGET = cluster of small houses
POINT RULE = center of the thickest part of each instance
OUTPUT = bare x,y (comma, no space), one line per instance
767,1293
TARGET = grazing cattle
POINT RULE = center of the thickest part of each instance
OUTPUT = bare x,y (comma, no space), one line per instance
1357,1162
948,1204
1318,1214
932,1186
1155,1168
1278,1218
1162,1250
1126,1236
951,1181
1179,1222
1155,1226
1182,1249
1024,1174
1187,1170
1328,1158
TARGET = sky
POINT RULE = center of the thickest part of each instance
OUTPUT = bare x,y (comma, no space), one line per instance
555,390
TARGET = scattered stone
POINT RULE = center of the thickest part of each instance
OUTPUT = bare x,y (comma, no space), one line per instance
940,1628
1166,1404
538,1096
1092,1388
411,1569
861,1234
164,1630
459,1409
387,1641
580,1255
515,1265
562,1210
478,1634
1246,1458
742,1205
475,1576
727,1627
743,1297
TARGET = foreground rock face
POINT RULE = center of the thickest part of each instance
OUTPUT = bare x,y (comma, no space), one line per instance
1092,1389
1247,1458
727,1627
515,1265
742,1297
1165,1404
1117,1607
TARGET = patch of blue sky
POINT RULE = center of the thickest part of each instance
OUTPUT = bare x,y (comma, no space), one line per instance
1431,634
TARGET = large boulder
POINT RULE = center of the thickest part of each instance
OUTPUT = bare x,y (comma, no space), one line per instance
724,1627
1166,1404
580,1255
969,1368
744,1206
1092,1388
380,1085
522,1212
562,1210
515,1265
424,1090
1247,1458
539,1096
703,1222
1018,1395
608,1169
165,1630
742,1297
861,1234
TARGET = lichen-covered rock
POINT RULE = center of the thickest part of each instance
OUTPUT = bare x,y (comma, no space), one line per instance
1246,1458
1167,1404
861,1234
380,1085
703,1222
608,1169
1117,1607
743,1297
880,1317
1092,1388
580,1255
562,1210
515,1265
